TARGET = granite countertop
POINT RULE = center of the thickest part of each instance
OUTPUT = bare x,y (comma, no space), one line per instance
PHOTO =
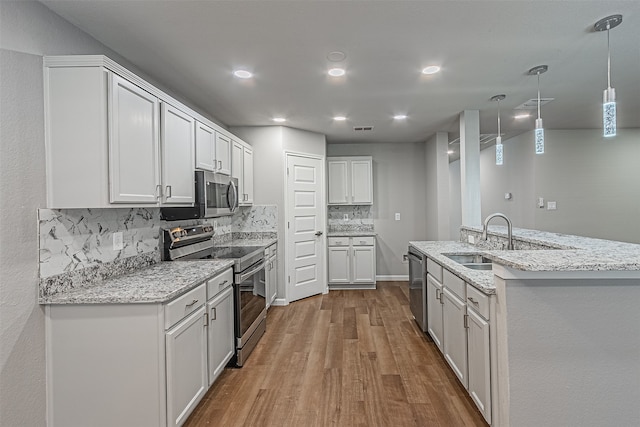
574,253
159,283
250,242
482,280
352,233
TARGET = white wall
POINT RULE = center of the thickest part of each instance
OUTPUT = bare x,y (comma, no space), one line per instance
399,177
593,181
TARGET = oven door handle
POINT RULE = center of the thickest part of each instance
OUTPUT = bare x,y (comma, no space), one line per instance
241,277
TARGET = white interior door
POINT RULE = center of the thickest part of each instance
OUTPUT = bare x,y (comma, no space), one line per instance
305,227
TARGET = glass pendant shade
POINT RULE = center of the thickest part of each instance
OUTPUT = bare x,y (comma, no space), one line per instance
609,112
539,137
499,152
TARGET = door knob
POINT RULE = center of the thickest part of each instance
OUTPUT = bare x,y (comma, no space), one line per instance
318,233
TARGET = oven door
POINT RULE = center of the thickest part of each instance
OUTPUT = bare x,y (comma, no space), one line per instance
250,302
220,195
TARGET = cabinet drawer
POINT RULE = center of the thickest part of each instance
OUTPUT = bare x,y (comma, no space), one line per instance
455,284
184,305
434,269
338,241
363,241
219,282
478,300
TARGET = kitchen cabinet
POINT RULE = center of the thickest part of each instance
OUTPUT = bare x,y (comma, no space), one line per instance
178,140
350,180
242,170
271,274
137,144
454,333
479,350
164,355
434,311
352,262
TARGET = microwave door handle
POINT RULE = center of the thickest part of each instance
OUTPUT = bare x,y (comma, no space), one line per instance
232,196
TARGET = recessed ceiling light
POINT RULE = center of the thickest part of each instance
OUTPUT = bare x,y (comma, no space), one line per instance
432,69
339,118
400,117
521,116
242,74
336,72
279,119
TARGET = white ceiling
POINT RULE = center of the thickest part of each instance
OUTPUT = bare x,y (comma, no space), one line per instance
484,48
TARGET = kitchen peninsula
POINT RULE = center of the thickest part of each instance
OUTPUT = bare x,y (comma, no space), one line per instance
563,328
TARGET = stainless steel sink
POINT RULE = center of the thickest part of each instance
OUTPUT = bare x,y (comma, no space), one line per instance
479,266
468,259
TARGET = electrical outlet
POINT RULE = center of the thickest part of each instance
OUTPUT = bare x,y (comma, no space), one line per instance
551,206
118,241
397,216
471,239
346,217
215,225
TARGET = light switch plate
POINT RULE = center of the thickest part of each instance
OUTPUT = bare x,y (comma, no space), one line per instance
346,217
118,241
541,202
397,216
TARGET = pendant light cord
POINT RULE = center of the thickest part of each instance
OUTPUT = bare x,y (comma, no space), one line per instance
608,57
538,73
498,117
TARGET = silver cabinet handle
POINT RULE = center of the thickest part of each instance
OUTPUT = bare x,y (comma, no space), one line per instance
214,314
472,300
437,296
168,191
224,283
192,302
158,191
318,233
362,242
219,164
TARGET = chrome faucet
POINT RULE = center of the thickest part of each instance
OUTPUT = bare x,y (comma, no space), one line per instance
509,228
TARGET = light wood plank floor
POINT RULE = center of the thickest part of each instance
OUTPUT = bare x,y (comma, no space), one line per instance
348,358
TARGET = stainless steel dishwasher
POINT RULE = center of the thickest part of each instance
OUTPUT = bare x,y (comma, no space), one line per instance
417,287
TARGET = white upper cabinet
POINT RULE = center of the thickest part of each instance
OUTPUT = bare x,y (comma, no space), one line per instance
350,180
223,154
177,155
237,159
205,147
133,144
247,177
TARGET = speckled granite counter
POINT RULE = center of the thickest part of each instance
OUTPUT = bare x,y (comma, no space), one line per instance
577,254
159,283
250,242
352,233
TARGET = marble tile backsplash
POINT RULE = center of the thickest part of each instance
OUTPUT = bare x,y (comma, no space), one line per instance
358,218
76,245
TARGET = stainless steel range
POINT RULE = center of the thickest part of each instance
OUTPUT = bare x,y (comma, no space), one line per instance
250,314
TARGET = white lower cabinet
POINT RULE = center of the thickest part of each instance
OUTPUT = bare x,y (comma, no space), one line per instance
271,274
221,334
137,364
352,262
458,321
186,348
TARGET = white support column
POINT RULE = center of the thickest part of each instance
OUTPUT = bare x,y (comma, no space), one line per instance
470,167
442,167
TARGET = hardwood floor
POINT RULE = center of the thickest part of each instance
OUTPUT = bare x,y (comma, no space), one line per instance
348,358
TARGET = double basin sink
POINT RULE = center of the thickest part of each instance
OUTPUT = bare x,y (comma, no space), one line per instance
471,261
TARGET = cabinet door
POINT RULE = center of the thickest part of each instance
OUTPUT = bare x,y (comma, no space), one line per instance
134,162
361,182
479,363
339,265
178,130
237,157
186,345
247,176
455,334
223,154
338,183
205,147
434,311
273,281
221,333
364,264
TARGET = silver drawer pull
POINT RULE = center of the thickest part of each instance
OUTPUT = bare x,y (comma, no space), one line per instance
472,300
224,283
362,242
192,302
214,314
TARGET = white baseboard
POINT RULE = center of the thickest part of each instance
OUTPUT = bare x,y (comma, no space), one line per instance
280,302
392,278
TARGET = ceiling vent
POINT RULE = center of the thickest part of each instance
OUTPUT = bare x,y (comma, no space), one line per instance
484,138
362,128
532,104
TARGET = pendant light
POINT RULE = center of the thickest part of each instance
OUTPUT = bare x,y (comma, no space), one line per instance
609,98
499,147
539,131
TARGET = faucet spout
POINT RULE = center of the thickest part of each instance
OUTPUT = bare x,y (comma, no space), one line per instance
485,228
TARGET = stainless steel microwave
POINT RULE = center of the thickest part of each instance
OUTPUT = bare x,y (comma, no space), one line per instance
216,195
